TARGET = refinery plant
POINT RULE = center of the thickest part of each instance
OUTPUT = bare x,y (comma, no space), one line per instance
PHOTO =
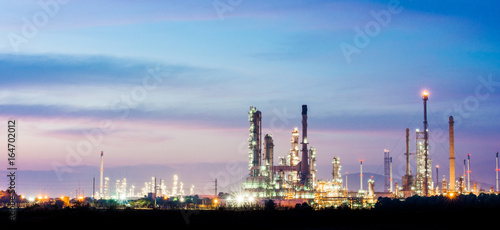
293,179
151,188
294,176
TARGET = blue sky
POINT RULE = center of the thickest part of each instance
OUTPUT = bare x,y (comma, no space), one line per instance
176,79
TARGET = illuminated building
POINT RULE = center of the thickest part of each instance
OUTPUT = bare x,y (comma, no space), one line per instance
294,177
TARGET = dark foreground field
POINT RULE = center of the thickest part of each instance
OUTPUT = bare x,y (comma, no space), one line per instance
289,219
388,214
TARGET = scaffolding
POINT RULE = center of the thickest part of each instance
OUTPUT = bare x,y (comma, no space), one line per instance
254,146
285,180
423,172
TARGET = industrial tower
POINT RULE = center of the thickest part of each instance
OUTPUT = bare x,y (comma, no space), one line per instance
408,177
294,177
101,185
387,171
304,166
423,180
255,119
452,153
426,147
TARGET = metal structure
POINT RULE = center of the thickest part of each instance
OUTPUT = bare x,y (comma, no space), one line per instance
497,170
444,188
468,172
424,169
312,168
387,171
408,177
304,166
269,153
255,119
390,178
106,194
361,175
294,177
101,185
437,175
426,147
452,153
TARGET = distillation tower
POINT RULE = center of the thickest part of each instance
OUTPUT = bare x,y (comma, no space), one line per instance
294,177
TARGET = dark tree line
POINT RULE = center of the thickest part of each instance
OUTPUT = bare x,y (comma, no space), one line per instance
441,203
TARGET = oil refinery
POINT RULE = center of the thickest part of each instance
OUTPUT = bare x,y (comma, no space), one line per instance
293,178
294,175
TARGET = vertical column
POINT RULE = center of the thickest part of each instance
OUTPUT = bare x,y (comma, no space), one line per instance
304,166
426,145
452,153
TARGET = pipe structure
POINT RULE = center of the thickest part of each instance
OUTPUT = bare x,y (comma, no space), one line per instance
269,155
452,153
497,173
407,178
468,172
390,180
437,175
387,171
255,119
361,174
426,143
304,166
346,189
465,171
101,186
408,152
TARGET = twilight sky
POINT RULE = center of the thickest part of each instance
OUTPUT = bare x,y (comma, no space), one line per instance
166,83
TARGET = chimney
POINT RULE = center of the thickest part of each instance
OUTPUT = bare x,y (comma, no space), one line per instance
304,166
452,154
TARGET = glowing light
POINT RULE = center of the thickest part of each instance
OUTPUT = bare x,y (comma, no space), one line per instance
240,199
40,197
425,93
251,199
216,201
451,195
31,199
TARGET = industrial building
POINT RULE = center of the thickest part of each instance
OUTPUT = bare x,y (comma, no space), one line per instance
295,174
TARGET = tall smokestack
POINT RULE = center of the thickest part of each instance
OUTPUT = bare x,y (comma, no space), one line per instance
361,174
304,166
390,180
426,144
497,173
465,171
452,154
437,175
408,152
101,187
468,172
